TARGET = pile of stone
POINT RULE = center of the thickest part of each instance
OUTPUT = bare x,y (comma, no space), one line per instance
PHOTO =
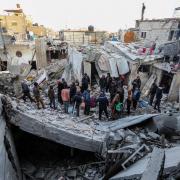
91,171
9,83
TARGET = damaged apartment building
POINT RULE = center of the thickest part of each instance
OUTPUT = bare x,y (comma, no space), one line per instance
156,45
15,57
165,35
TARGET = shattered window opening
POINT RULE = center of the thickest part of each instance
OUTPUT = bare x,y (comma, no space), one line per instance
18,53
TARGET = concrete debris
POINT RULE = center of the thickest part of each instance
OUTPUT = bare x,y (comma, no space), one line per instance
155,166
89,171
7,80
171,165
143,144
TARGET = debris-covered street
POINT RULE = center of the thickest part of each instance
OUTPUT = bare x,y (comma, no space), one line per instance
89,104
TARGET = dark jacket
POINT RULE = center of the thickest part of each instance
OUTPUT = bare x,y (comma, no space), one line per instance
36,91
113,88
72,90
136,83
64,84
85,81
153,89
60,87
25,88
121,94
51,94
78,99
103,101
108,81
102,82
159,93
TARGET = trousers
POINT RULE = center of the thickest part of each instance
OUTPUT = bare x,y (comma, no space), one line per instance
101,110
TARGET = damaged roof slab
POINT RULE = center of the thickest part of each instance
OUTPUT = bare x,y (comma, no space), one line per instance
67,130
172,159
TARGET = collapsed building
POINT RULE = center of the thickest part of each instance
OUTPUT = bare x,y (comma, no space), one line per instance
126,148
124,145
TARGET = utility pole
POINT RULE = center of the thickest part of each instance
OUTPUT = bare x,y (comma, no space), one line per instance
143,11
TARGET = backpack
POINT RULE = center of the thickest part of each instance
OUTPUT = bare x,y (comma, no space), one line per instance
119,106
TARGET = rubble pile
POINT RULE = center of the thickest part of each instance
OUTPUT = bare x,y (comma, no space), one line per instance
91,171
127,146
56,69
123,144
8,83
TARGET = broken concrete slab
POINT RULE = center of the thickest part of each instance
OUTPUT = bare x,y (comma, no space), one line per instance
61,131
88,135
172,159
168,124
126,122
155,166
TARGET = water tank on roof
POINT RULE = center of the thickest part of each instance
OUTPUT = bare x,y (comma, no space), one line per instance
176,12
91,28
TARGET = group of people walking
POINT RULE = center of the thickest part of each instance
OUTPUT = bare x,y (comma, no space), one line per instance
81,97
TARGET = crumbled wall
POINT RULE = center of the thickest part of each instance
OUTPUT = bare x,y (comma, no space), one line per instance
9,84
9,165
157,30
175,88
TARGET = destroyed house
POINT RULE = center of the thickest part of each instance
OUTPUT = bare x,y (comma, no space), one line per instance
156,67
158,30
83,36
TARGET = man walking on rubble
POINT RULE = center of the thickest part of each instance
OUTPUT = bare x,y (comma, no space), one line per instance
103,104
159,94
65,94
102,83
120,81
135,97
85,82
136,83
64,82
51,95
26,92
120,91
108,82
73,90
129,101
60,88
77,102
113,89
37,95
87,101
152,93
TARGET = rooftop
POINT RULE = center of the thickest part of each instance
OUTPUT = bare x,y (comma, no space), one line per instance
159,20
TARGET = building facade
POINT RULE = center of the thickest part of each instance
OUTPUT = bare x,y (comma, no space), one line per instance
83,36
159,30
16,23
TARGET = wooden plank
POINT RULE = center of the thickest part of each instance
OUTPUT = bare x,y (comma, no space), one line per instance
155,165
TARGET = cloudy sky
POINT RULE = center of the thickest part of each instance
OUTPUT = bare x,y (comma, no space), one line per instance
108,15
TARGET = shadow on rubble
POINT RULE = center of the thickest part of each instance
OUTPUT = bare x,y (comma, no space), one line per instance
39,156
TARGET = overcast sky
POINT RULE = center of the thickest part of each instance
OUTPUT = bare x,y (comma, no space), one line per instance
108,15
